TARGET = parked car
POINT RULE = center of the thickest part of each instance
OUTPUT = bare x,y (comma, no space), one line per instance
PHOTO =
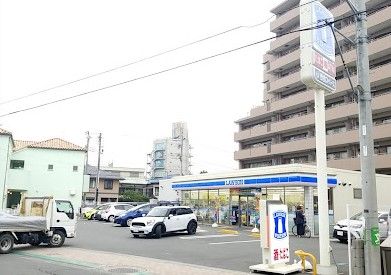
138,211
90,214
164,219
113,210
357,226
98,214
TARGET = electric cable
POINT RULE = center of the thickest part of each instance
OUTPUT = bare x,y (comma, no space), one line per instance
325,23
145,58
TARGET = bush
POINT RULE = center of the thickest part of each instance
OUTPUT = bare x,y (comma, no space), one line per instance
133,196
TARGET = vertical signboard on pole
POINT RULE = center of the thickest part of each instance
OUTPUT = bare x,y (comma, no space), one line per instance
317,54
278,233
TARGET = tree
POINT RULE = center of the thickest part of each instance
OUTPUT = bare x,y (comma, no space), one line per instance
133,196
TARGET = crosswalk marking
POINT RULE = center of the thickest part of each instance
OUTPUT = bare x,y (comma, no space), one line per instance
250,241
208,236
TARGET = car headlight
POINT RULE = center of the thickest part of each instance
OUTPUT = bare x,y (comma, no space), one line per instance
150,222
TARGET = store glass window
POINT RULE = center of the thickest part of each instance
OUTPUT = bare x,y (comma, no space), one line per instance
186,197
194,199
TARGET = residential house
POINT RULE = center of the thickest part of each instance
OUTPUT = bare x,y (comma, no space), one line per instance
108,188
52,167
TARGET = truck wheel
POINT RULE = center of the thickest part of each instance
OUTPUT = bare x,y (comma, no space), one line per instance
6,243
57,239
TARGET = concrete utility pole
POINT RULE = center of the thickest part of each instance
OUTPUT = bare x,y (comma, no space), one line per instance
98,170
368,177
87,149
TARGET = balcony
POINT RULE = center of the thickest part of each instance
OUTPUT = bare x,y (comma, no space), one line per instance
378,75
376,21
379,104
250,153
287,82
292,16
381,162
380,132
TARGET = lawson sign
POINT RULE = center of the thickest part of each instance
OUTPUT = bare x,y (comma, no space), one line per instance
317,46
278,233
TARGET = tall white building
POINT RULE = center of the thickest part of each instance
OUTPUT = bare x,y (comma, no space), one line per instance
169,157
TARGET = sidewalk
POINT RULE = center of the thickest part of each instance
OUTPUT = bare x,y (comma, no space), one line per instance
120,263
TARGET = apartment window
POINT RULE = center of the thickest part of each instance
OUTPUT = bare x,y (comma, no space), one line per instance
50,167
92,183
108,184
357,193
17,164
156,191
75,168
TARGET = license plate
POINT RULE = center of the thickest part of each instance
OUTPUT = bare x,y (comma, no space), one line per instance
340,233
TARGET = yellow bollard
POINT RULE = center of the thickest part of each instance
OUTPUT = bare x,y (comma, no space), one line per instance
303,255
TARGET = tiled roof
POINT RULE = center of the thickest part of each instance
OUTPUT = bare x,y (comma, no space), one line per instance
20,144
4,132
54,143
93,171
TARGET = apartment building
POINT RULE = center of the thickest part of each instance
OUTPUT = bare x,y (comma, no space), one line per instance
169,157
282,129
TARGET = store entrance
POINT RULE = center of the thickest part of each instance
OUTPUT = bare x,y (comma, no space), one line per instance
244,209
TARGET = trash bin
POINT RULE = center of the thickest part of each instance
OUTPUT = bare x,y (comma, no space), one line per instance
385,251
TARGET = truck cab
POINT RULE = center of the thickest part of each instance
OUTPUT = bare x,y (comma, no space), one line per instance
40,220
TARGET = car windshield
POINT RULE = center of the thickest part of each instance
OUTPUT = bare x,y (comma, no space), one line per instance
135,208
357,217
158,212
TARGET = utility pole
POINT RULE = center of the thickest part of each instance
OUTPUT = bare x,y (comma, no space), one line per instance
86,164
368,177
87,149
98,170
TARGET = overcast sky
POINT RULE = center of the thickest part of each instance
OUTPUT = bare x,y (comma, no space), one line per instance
48,43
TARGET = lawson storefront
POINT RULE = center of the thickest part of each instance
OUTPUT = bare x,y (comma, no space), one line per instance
232,198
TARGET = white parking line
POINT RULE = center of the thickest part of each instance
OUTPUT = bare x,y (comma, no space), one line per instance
250,241
208,236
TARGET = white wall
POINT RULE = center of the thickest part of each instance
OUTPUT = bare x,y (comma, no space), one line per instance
5,150
62,182
166,193
343,195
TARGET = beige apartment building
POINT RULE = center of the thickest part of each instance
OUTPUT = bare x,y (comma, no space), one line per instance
281,130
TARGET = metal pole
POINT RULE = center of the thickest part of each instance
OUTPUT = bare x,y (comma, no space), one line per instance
368,179
349,239
87,149
321,168
98,170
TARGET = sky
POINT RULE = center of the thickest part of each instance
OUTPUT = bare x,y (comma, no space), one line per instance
46,43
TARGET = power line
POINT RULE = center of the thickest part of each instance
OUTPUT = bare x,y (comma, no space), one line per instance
134,62
325,24
144,59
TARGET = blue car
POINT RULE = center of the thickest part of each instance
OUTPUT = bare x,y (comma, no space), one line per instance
138,211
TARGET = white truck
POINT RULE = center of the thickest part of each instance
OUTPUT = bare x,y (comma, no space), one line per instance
39,220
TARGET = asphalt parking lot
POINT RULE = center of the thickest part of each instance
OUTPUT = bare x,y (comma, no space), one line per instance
223,248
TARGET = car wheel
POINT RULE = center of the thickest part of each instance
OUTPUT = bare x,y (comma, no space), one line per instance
192,228
6,243
111,219
158,232
129,222
57,239
91,217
